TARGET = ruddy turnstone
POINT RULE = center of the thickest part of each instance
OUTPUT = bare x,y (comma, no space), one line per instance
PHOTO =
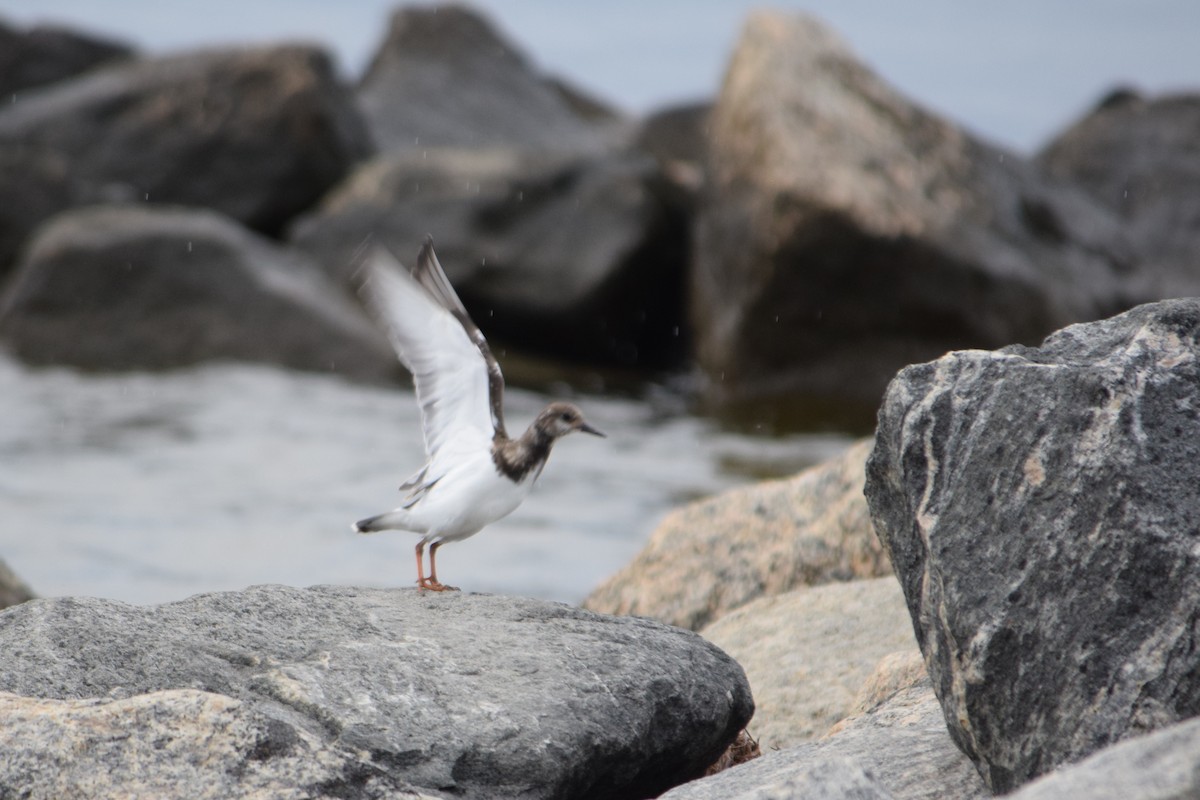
474,474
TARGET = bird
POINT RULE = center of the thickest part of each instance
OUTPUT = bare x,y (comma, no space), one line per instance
474,472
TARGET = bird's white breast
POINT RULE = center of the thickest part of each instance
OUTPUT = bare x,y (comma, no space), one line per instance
470,495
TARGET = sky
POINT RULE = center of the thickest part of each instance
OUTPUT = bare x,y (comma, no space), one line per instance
1015,72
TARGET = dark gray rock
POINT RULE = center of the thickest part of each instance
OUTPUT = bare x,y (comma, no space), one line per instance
1164,765
579,258
151,287
256,134
898,750
846,232
1039,508
13,590
473,695
46,54
1141,157
678,138
444,77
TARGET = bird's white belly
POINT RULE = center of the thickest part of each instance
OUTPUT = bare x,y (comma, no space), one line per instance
469,498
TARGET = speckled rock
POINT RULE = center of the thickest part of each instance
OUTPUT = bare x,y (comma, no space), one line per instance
711,557
1039,507
807,652
470,695
170,744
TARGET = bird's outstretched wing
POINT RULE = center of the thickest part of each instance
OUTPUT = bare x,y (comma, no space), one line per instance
458,382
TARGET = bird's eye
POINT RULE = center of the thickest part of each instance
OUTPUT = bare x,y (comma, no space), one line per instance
565,416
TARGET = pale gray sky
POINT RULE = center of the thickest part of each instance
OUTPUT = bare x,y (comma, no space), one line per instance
1015,71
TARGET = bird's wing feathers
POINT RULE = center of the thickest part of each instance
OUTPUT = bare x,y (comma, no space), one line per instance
429,273
437,342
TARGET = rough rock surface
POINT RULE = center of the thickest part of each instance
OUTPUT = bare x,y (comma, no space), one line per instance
1164,765
1141,157
13,590
172,743
711,557
777,777
898,750
1039,508
580,257
472,695
444,77
807,652
846,232
137,287
258,135
45,54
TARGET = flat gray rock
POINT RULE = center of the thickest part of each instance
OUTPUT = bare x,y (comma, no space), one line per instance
898,750
1039,505
1164,765
471,695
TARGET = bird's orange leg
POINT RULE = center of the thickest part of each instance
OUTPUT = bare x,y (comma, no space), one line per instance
422,581
433,583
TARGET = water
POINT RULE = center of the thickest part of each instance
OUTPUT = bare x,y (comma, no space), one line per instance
153,487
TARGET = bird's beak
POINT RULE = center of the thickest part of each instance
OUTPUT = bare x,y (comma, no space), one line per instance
589,429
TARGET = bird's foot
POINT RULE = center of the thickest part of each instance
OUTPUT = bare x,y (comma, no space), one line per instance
435,586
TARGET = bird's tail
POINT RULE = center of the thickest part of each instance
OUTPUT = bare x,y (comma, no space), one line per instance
391,521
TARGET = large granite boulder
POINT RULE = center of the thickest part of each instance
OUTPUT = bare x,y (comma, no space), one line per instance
713,556
579,257
257,134
444,77
1039,508
807,652
367,693
151,287
1141,158
46,54
846,232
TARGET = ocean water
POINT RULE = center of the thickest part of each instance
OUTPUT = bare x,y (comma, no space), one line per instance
153,487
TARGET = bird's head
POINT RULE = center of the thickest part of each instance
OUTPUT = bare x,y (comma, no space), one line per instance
559,419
